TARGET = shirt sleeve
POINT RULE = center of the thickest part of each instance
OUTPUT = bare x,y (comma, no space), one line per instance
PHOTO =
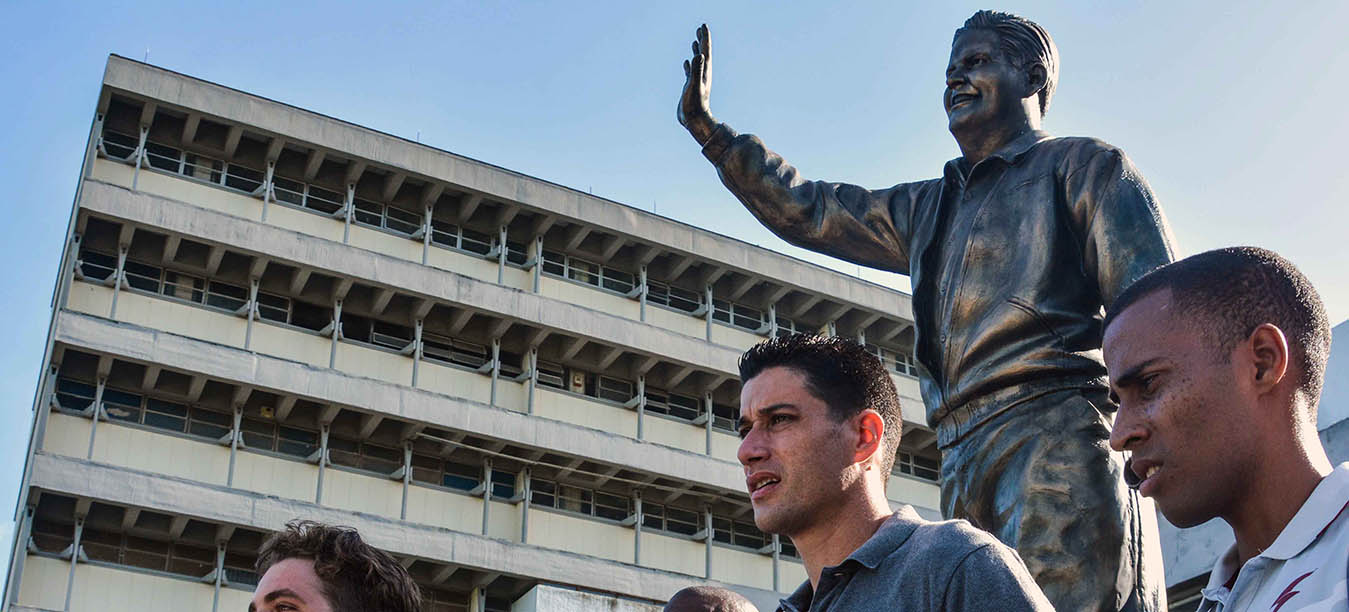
993,573
868,227
1123,232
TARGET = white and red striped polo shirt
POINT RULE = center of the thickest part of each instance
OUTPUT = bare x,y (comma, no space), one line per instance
1305,569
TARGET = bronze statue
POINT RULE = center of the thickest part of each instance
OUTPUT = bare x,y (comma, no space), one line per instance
1013,252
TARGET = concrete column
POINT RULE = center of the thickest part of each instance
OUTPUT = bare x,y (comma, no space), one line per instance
533,378
98,410
538,261
486,492
337,332
496,370
707,544
74,559
426,233
140,156
637,527
831,328
417,348
477,599
526,488
18,555
219,575
323,461
117,276
862,337
641,407
407,478
267,181
707,426
641,297
777,559
501,256
236,434
252,312
711,310
772,320
348,210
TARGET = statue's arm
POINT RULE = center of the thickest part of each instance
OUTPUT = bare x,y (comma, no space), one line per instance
849,222
864,226
1124,233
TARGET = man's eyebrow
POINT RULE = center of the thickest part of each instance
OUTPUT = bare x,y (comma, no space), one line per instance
1130,376
766,411
279,593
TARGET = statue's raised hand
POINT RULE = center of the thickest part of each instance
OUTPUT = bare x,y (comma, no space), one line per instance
694,113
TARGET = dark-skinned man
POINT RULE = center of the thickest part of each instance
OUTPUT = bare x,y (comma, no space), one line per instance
1013,253
1218,362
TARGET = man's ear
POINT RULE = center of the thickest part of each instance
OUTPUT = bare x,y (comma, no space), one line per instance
870,430
1037,76
1267,350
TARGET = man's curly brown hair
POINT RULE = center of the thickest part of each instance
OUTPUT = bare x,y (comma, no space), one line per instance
356,577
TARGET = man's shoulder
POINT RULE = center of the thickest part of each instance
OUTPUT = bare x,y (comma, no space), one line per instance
1078,146
949,540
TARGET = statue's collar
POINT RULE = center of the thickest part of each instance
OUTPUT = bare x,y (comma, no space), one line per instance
1010,153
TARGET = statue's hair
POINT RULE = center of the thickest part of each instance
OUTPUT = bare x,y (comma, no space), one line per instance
1025,42
1234,290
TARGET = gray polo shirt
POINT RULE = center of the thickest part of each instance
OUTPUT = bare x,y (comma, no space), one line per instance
914,564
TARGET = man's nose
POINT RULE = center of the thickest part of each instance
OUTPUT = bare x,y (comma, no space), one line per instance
1127,432
752,448
955,79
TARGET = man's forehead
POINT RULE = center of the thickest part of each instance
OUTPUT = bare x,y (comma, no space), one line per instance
771,387
1143,328
977,40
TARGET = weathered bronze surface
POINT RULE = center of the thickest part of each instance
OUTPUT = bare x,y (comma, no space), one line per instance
1013,252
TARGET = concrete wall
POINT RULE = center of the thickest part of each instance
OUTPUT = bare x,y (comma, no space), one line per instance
548,598
100,588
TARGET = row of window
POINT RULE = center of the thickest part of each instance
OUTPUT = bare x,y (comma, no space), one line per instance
181,558
900,362
407,223
258,434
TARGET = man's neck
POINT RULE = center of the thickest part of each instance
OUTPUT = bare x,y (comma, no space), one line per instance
1276,495
847,529
979,144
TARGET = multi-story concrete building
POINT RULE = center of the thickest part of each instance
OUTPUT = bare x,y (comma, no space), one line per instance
264,313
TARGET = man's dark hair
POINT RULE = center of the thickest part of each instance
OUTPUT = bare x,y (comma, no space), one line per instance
1237,289
356,577
840,373
1024,42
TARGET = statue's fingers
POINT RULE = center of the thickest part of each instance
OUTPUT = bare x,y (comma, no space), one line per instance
705,41
686,69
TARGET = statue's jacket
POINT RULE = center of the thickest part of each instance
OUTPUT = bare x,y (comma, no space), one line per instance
1012,260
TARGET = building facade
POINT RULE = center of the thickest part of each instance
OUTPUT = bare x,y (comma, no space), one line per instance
519,390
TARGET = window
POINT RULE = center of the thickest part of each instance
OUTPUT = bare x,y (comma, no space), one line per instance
142,276
670,518
97,266
160,156
309,316
503,484
899,361
436,471
184,287
273,307
364,455
119,146
226,296
378,333
389,217
738,533
613,389
453,350
739,315
268,436
551,494
917,466
590,273
612,507
673,297
304,195
679,406
122,405
74,395
725,417
552,375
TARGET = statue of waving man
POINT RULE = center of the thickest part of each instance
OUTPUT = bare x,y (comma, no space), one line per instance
1013,252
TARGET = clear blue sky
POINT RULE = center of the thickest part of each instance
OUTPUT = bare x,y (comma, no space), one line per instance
1232,110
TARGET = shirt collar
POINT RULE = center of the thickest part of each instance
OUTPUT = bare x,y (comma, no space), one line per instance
888,538
1010,153
1322,507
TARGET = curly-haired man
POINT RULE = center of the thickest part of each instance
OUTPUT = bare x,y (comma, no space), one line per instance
313,567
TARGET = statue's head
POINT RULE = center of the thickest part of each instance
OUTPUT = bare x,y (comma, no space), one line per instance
1003,69
1022,41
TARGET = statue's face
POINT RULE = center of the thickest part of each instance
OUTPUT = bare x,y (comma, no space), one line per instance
984,88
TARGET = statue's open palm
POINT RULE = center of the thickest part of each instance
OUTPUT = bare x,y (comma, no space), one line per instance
694,113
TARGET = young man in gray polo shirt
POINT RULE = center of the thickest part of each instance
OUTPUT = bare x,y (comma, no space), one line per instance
819,427
1217,361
